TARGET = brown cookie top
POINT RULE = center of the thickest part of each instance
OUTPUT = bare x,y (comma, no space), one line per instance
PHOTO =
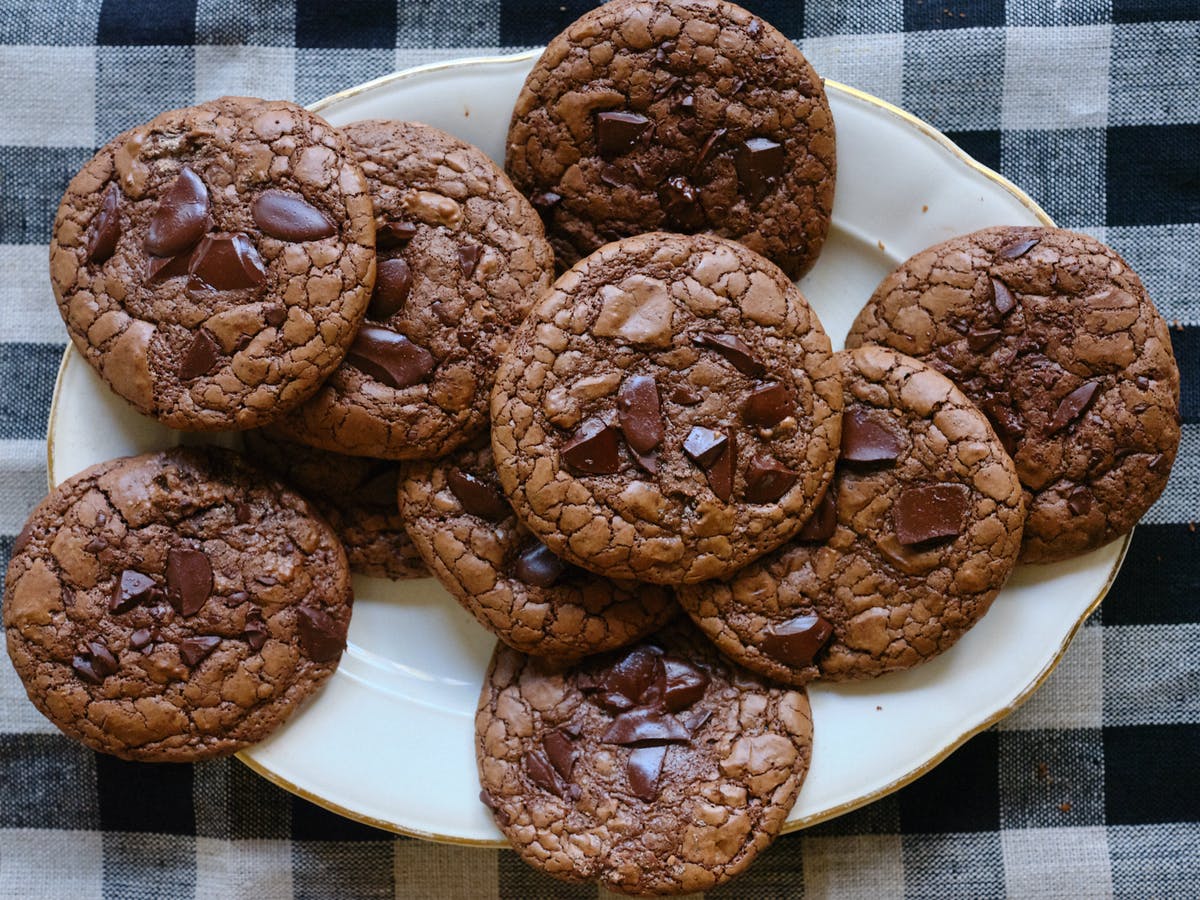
356,495
668,412
1053,336
462,257
916,535
506,578
663,769
680,115
174,606
213,264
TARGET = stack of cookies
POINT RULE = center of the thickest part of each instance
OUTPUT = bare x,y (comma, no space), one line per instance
664,426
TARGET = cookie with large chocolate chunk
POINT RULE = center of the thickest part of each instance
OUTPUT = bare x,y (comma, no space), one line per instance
355,494
680,115
213,264
1053,336
174,606
517,589
668,412
916,535
662,769
462,257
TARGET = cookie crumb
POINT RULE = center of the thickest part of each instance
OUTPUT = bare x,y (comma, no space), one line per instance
925,208
1043,772
1065,806
881,246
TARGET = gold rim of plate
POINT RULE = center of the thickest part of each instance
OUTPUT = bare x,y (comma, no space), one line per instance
923,128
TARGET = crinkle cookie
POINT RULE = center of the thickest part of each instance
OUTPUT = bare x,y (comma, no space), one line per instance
213,264
1053,336
680,115
668,412
462,258
916,535
174,606
506,578
662,769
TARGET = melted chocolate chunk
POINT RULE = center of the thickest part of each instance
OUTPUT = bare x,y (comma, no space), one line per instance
393,280
982,338
289,217
468,258
390,357
1074,405
637,725
200,357
593,449
131,589
618,132
639,413
706,149
626,682
759,163
320,635
255,630
704,445
870,437
1008,424
822,524
733,349
160,268
681,203
478,496
797,641
538,567
391,235
644,771
193,650
1017,248
542,773
930,512
561,752
768,405
141,638
106,227
181,218
1079,501
225,262
767,480
95,663
684,684
189,580
1002,297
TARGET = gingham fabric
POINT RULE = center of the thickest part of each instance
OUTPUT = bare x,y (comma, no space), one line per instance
1090,790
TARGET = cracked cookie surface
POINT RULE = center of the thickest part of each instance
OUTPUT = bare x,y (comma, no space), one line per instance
679,115
668,412
174,606
213,264
918,532
1053,336
662,769
506,578
462,257
356,495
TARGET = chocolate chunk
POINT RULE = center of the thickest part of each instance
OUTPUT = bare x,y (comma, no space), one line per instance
611,176
391,235
681,203
720,473
131,589
1008,424
542,773
181,218
189,580
96,544
1157,461
626,682
685,395
639,413
200,357
686,104
290,217
636,725
268,580
390,357
648,461
1142,382
593,449
141,638
822,524
930,512
703,445
538,567
695,720
477,496
1079,501
798,640
95,664
194,649
160,268
707,148
468,258
768,405
226,262
1002,297
684,684
767,480
106,227
759,162
275,315
320,635
1074,405
734,350
1017,248
545,202
869,437
255,630
561,752
618,132
644,770
242,512
393,280
982,338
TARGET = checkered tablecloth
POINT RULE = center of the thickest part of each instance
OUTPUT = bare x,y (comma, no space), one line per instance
1090,790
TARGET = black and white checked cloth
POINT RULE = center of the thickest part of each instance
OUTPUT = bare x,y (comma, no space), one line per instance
1090,790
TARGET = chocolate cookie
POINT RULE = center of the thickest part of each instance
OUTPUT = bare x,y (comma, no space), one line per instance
1053,336
916,535
214,264
659,770
506,578
356,495
462,257
174,606
680,115
668,412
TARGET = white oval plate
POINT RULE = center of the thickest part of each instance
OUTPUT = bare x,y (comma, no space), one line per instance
390,740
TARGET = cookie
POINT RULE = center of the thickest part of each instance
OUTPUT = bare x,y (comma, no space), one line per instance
680,115
668,412
174,606
213,264
1053,336
462,257
357,496
663,769
916,535
506,578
